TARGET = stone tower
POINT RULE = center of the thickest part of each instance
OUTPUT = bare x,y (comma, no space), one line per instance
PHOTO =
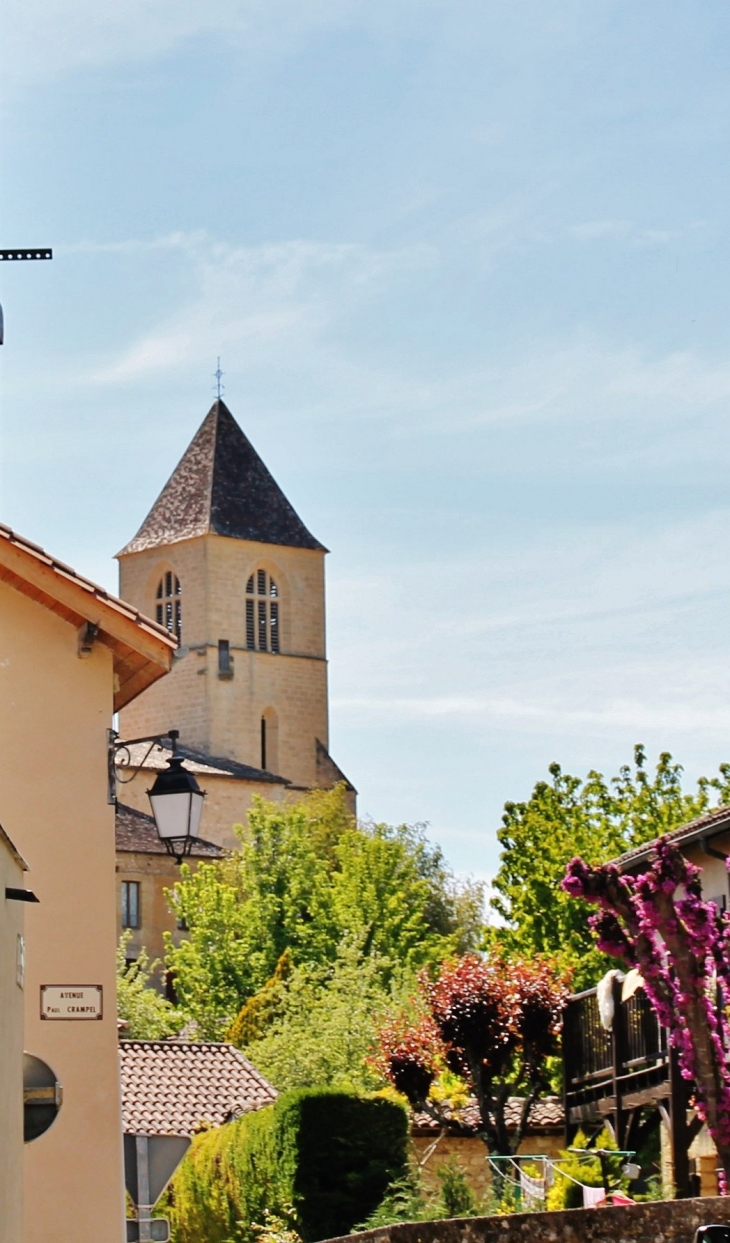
223,561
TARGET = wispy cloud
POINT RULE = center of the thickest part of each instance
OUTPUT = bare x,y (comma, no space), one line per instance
44,38
254,299
587,633
623,230
282,306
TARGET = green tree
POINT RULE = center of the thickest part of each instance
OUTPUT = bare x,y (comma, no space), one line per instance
325,1024
147,1014
598,820
307,876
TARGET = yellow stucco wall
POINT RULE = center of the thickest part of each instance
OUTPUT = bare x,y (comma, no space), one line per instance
223,716
11,1052
154,874
54,713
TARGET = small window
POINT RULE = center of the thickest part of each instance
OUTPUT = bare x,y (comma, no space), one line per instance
274,626
263,629
270,741
169,609
225,660
130,904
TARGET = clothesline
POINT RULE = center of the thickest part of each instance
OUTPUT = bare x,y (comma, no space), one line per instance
533,1188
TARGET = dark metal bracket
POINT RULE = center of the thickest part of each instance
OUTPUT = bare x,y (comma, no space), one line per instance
20,895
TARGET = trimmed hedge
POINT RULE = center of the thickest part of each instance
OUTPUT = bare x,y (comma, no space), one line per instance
322,1159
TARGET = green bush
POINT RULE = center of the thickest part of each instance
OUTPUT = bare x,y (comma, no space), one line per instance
578,1169
320,1160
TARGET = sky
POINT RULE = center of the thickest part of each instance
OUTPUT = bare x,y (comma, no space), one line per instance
466,265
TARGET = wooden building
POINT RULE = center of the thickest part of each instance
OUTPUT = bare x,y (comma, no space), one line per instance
627,1075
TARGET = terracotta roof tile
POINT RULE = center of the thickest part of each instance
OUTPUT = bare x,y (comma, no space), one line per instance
93,589
706,826
174,1087
136,832
546,1115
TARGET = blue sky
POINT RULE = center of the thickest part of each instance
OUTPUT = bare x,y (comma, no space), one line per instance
466,264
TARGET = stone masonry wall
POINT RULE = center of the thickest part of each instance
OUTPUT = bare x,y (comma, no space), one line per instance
471,1155
668,1221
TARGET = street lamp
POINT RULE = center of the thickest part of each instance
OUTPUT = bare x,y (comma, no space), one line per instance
176,798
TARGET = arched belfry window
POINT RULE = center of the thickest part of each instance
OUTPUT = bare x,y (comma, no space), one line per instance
262,613
169,611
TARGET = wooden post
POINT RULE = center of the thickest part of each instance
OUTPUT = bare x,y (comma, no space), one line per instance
678,1116
618,1043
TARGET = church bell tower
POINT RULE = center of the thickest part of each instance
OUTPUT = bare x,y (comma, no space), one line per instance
224,561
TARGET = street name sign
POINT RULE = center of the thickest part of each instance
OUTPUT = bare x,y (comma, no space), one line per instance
71,1001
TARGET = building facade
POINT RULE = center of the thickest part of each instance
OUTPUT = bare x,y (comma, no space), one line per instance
72,655
226,564
12,983
223,561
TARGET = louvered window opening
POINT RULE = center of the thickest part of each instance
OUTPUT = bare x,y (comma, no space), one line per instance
262,613
169,609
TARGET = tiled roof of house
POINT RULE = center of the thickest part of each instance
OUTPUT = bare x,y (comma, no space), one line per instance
174,1087
711,825
141,649
136,833
546,1115
221,486
156,757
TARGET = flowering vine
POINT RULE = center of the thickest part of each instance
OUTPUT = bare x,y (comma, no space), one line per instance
659,923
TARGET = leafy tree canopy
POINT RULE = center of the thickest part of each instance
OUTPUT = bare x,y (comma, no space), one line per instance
494,1024
320,1023
307,878
598,820
147,1014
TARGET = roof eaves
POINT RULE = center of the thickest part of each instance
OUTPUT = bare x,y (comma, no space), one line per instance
711,825
13,849
142,649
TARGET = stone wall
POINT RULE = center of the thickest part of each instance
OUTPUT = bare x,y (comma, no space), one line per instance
431,1153
668,1221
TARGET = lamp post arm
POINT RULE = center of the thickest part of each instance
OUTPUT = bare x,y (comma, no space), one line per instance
115,746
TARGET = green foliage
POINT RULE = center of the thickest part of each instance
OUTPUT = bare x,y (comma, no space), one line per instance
148,1015
408,1198
575,1168
308,877
257,1014
276,1229
404,1200
596,819
456,1196
324,1025
316,1160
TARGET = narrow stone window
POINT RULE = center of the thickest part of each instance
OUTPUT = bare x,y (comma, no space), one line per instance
130,904
169,606
225,660
270,741
263,628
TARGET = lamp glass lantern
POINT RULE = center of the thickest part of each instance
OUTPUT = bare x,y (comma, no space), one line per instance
177,805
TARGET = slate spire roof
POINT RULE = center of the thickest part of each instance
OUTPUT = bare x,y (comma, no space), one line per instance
221,486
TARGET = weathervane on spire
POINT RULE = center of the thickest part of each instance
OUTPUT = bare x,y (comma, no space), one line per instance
218,377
